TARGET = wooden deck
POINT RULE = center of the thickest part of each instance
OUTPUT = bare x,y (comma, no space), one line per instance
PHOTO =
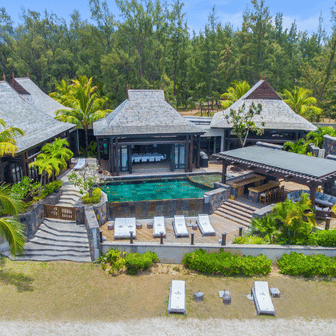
219,224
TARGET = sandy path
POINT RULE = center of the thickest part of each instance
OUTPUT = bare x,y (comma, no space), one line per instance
175,325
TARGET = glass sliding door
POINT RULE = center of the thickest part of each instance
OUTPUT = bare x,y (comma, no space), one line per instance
177,159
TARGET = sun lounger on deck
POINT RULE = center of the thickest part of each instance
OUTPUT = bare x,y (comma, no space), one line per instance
123,227
80,164
180,227
159,226
262,298
177,297
205,226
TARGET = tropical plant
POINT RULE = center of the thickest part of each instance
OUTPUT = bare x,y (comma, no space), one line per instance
302,103
10,228
47,164
63,90
87,106
317,137
7,139
25,190
300,146
267,226
58,149
243,122
234,93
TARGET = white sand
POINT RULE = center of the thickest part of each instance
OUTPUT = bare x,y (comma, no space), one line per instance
175,325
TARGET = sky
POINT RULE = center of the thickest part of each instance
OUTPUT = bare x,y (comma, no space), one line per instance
304,12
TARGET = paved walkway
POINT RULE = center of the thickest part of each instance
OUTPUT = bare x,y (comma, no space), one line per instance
175,325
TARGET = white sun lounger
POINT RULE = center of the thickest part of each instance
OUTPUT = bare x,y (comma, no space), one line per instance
159,226
177,297
205,226
262,298
180,227
123,227
80,164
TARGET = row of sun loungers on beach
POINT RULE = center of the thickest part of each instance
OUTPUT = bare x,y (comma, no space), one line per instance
260,293
124,226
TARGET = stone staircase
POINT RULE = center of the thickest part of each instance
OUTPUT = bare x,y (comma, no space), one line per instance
236,211
59,239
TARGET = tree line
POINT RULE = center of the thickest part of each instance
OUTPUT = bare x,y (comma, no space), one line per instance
151,44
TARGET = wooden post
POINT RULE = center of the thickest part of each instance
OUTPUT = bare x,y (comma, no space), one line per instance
25,164
191,149
228,140
313,189
98,151
117,157
224,167
198,151
112,156
2,174
186,154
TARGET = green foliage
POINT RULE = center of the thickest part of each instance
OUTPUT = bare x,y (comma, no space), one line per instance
25,190
253,239
113,259
226,264
96,193
234,93
51,187
7,138
267,226
308,266
242,122
323,238
136,262
91,152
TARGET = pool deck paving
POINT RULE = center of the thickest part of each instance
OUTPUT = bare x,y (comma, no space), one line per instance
220,225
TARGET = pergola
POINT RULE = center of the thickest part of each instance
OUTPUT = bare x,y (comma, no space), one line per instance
302,169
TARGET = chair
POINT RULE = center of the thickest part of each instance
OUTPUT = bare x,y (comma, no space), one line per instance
80,164
281,193
123,226
177,297
180,227
262,299
264,197
205,226
159,227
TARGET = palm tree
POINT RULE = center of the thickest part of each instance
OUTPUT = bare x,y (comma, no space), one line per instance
300,146
234,93
302,103
86,105
58,149
10,228
7,139
47,164
63,90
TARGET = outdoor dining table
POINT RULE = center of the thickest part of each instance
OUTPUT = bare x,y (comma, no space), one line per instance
148,157
238,185
254,192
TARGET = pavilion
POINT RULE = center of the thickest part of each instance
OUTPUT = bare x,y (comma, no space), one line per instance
145,127
278,121
39,128
274,164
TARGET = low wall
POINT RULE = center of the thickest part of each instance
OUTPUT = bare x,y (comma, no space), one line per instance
33,218
214,198
174,253
149,209
92,227
329,145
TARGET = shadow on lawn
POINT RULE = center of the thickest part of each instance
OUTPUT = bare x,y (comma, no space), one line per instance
22,282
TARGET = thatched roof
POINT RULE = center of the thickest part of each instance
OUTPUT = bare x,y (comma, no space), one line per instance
35,96
276,114
144,112
38,126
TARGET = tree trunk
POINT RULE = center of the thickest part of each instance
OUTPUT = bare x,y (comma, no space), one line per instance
86,140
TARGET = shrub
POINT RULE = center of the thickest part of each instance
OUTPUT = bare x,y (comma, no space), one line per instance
25,190
114,258
96,193
227,264
249,240
308,266
136,262
51,187
323,238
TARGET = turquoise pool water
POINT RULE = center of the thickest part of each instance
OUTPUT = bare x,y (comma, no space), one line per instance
152,190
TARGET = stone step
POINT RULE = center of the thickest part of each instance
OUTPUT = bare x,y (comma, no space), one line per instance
241,205
65,244
232,218
60,234
53,253
65,205
55,258
65,227
69,200
47,236
230,205
236,213
61,221
32,247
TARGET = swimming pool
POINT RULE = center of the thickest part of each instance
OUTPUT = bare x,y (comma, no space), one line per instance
158,189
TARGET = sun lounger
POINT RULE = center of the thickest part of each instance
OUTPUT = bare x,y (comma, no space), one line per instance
123,227
205,226
177,297
262,298
180,227
80,164
159,226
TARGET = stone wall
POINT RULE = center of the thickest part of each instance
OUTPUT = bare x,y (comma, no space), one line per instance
213,199
174,253
92,227
33,218
149,209
329,145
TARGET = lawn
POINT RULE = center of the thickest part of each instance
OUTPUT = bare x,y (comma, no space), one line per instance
64,291
207,180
